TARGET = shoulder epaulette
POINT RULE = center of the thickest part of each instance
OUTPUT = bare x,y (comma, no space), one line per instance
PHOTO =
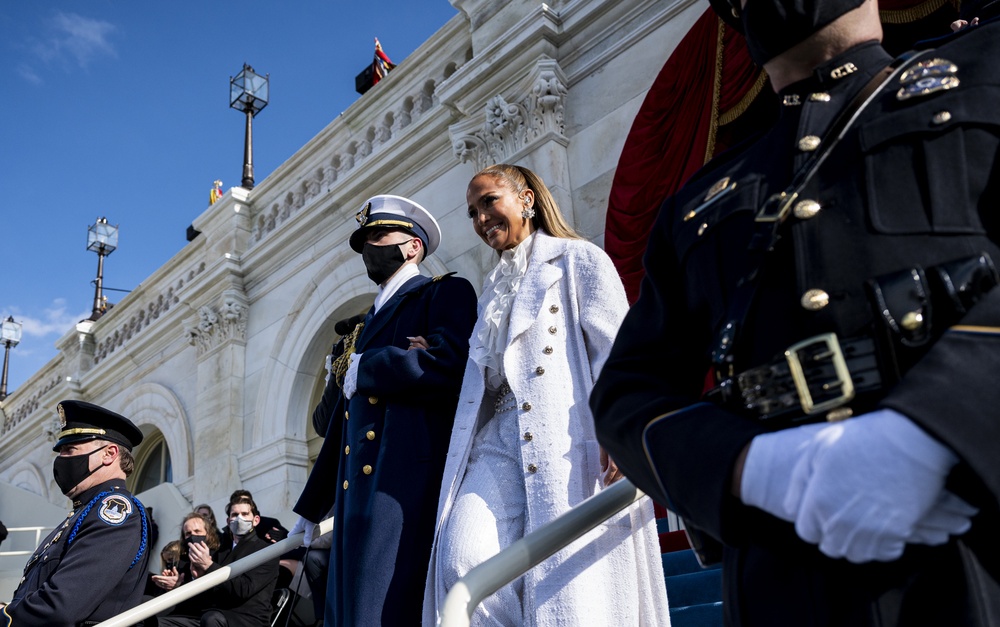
443,276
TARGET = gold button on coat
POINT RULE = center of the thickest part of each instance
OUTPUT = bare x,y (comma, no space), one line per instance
912,321
347,416
554,308
366,469
345,485
347,450
370,435
805,209
547,350
941,117
814,300
809,143
372,400
539,370
528,436
526,406
532,468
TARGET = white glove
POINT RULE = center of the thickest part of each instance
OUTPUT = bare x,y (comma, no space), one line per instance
866,483
303,526
310,533
329,368
767,471
351,376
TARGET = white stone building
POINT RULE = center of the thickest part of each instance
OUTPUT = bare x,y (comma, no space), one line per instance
219,355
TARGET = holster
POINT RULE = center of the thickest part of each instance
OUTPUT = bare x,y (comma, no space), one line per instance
915,306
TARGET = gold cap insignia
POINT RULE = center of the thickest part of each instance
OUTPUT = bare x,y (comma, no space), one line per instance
362,216
62,416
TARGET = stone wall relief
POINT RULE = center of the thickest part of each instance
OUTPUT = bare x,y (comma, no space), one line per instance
214,326
507,125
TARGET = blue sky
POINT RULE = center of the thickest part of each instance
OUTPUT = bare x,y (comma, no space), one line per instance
119,108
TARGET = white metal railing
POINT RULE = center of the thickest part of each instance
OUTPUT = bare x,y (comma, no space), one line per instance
212,579
38,539
531,550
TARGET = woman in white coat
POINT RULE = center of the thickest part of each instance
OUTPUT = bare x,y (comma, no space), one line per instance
523,449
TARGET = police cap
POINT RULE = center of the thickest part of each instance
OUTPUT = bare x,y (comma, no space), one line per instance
81,421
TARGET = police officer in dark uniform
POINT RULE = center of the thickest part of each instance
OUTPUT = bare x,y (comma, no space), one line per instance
391,401
834,278
93,565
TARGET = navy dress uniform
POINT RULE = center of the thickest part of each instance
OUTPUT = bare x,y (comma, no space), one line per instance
911,192
93,565
386,445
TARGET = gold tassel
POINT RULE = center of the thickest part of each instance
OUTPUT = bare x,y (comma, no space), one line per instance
914,13
713,123
740,108
342,363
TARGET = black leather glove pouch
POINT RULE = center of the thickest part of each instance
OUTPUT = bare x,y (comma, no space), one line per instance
913,307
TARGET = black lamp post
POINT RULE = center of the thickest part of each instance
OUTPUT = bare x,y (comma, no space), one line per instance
248,92
10,335
102,238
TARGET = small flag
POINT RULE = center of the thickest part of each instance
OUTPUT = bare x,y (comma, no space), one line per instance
382,65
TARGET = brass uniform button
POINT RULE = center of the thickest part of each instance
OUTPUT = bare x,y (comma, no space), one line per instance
547,350
347,416
526,406
814,300
552,330
820,96
366,469
805,209
702,228
912,321
809,143
532,468
554,308
941,117
347,450
370,435
528,436
539,371
345,485
372,400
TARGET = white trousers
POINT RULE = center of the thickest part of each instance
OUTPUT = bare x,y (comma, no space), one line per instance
488,514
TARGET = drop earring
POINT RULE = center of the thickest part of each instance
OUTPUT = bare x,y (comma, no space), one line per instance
528,212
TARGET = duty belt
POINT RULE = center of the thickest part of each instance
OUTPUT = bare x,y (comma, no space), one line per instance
814,376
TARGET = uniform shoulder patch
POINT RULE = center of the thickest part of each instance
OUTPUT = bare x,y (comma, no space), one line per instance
115,509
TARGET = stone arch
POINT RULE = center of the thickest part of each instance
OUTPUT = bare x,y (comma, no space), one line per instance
30,478
337,290
153,406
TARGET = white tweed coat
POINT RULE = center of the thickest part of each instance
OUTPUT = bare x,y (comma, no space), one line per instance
562,324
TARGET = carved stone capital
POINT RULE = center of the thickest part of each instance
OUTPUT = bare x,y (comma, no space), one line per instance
217,325
508,125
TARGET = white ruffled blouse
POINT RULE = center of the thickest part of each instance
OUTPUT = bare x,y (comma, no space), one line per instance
495,304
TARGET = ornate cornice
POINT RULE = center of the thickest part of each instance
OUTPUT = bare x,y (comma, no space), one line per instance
507,126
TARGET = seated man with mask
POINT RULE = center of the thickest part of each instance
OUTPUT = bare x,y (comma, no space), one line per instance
245,600
391,409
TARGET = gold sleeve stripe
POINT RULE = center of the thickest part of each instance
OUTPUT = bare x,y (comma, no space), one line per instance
966,328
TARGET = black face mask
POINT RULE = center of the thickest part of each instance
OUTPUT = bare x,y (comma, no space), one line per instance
70,471
383,261
773,26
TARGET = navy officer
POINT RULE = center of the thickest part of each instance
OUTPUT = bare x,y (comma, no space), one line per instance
390,406
835,280
93,565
